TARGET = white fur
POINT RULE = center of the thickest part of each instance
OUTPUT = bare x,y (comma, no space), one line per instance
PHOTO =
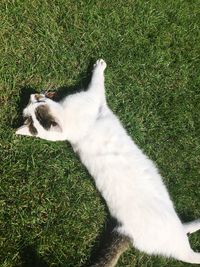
127,179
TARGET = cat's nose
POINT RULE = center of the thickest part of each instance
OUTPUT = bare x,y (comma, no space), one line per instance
37,98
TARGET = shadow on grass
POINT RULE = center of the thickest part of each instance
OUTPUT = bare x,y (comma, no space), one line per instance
187,217
24,97
84,80
30,258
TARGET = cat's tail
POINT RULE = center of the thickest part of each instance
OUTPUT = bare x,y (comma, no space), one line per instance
192,227
113,250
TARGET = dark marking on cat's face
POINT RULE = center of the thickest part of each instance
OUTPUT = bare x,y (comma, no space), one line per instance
31,127
44,117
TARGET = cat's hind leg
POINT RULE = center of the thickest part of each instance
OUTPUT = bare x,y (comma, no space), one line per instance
192,227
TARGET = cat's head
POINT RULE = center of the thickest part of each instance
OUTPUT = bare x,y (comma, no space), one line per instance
43,119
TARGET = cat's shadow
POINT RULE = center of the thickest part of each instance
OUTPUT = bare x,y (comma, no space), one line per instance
30,258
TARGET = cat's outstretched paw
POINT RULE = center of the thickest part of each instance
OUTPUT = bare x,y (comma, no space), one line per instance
100,65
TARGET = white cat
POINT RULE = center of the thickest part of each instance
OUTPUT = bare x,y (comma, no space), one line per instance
127,179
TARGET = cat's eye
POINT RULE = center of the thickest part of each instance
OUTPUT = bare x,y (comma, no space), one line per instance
53,123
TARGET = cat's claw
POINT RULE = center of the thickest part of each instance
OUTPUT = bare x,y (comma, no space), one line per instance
100,65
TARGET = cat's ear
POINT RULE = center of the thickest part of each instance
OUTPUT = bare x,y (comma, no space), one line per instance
23,130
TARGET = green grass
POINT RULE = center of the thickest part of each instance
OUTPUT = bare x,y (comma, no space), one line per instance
51,213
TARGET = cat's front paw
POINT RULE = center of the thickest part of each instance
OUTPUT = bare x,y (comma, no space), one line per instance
100,65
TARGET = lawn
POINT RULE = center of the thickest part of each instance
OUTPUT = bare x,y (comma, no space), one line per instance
51,212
